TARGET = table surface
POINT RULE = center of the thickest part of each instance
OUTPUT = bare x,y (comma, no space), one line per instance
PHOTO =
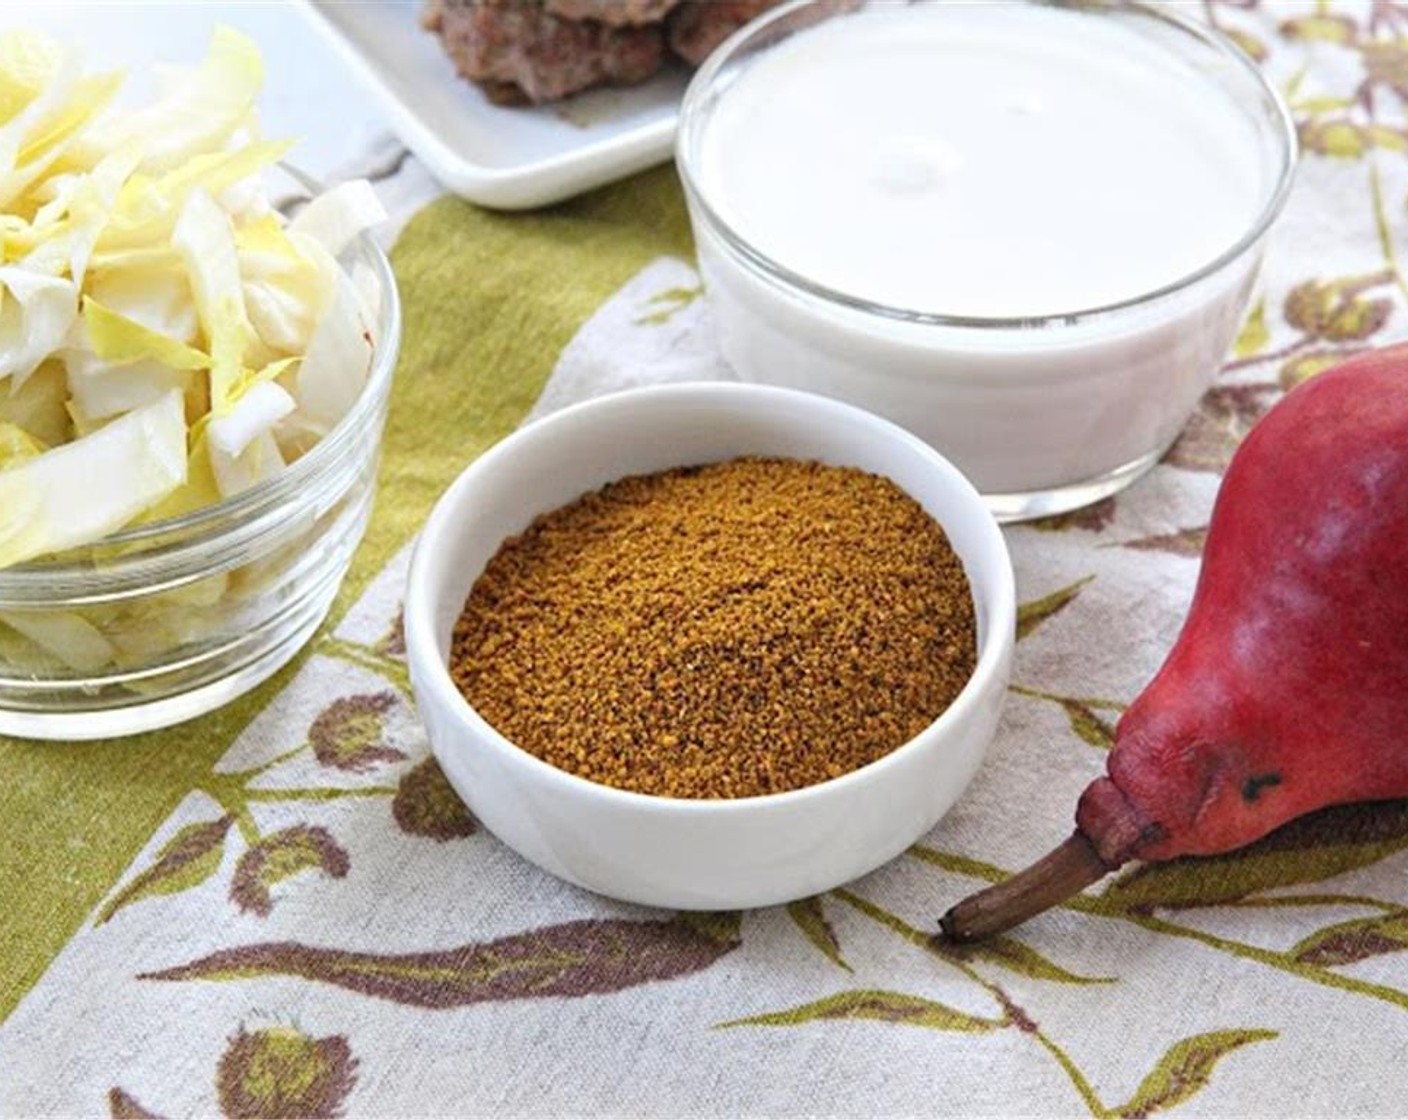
280,909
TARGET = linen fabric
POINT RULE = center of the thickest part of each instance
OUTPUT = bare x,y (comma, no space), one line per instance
281,909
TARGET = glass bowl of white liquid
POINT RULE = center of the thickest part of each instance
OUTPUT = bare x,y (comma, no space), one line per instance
1026,231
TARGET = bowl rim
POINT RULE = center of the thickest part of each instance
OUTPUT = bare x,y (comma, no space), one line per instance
429,673
705,79
214,520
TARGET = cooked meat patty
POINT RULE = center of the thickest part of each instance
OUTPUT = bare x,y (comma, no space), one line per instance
696,27
519,51
617,13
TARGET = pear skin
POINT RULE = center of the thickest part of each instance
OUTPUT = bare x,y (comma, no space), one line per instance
1287,688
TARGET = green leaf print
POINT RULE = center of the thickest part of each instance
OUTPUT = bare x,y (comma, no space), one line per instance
1354,941
1185,1070
1337,138
1181,542
1032,614
665,305
881,1006
581,958
186,860
1253,336
393,643
1083,714
1315,847
809,917
1092,728
1250,44
1358,319
724,927
1011,954
1321,28
1389,139
1302,367
1315,106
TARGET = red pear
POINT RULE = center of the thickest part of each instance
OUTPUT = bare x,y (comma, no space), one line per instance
1287,689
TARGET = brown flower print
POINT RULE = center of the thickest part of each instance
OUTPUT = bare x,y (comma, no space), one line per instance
279,1073
348,734
426,805
281,856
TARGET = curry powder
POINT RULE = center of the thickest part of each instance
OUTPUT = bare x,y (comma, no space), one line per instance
740,628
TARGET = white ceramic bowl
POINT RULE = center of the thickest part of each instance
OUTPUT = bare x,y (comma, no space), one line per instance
695,854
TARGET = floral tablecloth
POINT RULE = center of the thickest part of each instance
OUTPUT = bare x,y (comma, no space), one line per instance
281,909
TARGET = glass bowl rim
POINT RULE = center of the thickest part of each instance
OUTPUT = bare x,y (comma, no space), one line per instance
211,522
706,77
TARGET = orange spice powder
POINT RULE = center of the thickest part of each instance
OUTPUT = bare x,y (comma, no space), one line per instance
741,628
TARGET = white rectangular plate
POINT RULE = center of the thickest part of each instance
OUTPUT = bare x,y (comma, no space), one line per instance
508,158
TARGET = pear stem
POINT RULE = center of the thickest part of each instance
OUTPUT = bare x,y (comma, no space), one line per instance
1061,873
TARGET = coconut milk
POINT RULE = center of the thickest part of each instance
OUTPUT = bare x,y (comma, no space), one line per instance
906,165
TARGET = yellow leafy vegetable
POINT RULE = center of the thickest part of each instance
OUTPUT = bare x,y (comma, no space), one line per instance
84,490
16,445
202,108
167,338
117,338
206,243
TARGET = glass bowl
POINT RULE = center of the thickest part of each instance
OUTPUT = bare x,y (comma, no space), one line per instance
163,622
1044,414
